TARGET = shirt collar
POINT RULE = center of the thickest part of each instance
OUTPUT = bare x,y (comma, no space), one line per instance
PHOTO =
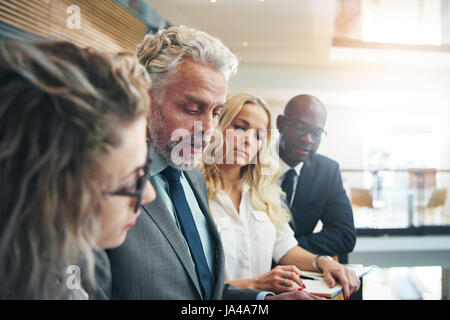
158,164
284,167
245,189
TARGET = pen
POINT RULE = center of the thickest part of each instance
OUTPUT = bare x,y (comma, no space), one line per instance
307,278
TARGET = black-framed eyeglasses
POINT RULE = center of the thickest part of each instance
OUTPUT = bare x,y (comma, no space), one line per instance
140,183
302,129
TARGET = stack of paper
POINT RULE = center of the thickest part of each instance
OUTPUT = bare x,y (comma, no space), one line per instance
320,288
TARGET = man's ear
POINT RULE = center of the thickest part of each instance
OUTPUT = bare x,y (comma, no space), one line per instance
280,122
150,93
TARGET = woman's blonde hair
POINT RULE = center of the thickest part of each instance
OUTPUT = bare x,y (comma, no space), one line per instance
61,107
265,194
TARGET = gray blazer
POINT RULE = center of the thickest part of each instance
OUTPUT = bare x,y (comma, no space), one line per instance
154,263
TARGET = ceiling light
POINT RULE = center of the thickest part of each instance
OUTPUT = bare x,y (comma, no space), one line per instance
245,44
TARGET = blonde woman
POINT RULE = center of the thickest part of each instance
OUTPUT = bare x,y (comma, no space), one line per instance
74,163
246,204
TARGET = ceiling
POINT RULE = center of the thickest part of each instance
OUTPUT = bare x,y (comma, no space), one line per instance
276,32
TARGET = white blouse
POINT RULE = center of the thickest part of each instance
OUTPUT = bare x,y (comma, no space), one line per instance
249,238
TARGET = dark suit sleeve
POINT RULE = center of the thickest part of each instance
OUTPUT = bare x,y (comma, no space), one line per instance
230,292
338,235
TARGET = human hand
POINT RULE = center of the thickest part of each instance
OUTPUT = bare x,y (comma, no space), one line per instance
294,295
333,271
282,278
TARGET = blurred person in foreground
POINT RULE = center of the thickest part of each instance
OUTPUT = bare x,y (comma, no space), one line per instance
73,164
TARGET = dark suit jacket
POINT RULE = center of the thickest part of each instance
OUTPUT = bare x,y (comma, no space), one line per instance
320,195
154,262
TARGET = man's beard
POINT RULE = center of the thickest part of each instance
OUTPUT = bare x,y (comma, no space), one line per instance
169,151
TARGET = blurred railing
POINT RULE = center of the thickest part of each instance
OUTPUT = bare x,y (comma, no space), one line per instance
399,201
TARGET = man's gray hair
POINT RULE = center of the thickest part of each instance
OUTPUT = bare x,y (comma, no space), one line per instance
163,51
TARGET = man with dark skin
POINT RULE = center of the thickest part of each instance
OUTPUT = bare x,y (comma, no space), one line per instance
312,182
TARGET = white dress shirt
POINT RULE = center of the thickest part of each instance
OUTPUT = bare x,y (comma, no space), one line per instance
249,237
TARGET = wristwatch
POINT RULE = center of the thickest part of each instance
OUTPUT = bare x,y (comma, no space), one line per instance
314,261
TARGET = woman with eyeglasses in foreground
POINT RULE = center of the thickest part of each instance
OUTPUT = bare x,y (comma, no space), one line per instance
247,206
73,163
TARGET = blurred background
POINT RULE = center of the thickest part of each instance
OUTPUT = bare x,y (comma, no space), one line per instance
382,68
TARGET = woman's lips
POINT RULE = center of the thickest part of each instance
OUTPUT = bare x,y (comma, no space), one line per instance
241,152
131,224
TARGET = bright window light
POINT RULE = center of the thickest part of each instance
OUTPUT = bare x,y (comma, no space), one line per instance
415,22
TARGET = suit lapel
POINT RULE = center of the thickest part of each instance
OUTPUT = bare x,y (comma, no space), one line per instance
158,212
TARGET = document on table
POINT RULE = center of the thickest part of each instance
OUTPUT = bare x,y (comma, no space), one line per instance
316,284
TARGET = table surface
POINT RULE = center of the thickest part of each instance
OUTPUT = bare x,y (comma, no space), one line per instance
405,251
402,243
399,251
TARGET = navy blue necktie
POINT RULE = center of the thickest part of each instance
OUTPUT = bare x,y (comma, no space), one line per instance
288,185
189,230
